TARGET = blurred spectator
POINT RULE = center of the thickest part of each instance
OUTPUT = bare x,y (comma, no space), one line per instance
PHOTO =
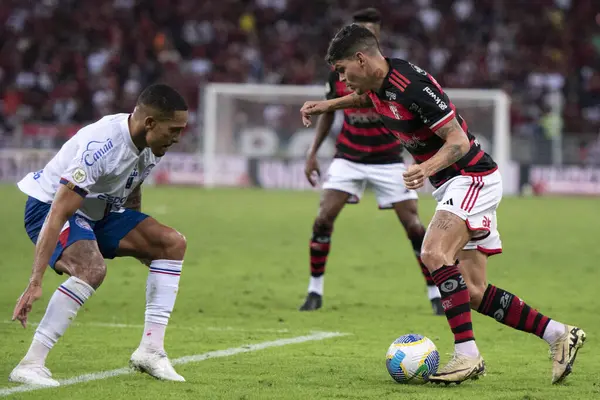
74,60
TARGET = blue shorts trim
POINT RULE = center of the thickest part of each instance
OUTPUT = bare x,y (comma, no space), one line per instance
107,232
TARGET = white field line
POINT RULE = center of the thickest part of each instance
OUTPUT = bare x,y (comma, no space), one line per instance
183,360
140,326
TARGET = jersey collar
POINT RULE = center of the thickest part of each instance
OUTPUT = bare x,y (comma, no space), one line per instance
386,79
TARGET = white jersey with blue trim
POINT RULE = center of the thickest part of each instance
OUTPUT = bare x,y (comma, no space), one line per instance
100,162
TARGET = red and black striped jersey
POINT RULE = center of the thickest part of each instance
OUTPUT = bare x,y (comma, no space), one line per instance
363,138
414,106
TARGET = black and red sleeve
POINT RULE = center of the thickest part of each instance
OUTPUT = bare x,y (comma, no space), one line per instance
420,92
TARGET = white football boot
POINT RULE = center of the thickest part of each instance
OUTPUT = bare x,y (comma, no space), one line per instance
154,363
32,374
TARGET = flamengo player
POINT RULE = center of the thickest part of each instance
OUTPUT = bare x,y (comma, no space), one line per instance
81,210
366,152
468,192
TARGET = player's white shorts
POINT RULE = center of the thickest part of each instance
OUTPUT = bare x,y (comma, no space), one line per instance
475,200
386,180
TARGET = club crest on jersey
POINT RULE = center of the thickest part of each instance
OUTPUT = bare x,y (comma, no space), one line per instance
418,69
96,150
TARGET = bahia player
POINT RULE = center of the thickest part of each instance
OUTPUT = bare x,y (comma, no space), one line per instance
468,191
367,152
84,207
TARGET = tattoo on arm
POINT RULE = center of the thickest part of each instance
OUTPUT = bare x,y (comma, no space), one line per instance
134,200
453,152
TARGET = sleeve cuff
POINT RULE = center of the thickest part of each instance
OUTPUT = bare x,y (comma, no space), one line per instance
442,121
80,191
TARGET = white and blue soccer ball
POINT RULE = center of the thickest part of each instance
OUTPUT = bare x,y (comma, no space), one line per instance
412,358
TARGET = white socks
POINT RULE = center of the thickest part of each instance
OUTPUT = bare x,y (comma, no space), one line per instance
61,311
316,284
161,292
433,292
468,349
553,331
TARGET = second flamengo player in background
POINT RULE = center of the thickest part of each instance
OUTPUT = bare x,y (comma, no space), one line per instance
366,152
468,191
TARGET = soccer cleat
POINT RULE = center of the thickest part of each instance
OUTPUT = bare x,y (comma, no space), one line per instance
564,351
154,363
32,374
313,301
436,305
459,369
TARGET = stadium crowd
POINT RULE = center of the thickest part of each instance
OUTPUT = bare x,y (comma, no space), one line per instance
68,61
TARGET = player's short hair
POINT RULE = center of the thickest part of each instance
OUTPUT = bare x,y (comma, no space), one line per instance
162,98
350,40
369,15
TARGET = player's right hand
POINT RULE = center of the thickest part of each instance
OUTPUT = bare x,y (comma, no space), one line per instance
313,108
25,302
312,170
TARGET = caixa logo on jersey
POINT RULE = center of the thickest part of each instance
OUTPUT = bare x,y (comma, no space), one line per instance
95,151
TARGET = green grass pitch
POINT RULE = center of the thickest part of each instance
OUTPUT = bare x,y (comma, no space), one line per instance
246,273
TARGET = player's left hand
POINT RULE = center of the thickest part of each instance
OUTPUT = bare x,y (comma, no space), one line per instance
414,177
313,108
25,302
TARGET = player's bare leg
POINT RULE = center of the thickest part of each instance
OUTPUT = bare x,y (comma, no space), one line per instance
332,203
408,214
508,309
446,235
85,265
165,248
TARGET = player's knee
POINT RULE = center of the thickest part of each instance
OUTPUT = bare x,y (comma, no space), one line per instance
323,223
93,273
91,269
172,245
432,258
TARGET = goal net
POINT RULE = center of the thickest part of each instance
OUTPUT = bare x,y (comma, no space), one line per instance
260,126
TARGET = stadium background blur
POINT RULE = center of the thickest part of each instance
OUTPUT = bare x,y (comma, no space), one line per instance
64,63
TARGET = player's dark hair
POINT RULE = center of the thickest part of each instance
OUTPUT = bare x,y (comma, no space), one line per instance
163,98
350,40
370,15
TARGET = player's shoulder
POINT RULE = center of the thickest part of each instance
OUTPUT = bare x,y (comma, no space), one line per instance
100,141
406,80
407,68
106,128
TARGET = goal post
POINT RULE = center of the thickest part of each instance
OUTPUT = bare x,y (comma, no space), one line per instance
244,122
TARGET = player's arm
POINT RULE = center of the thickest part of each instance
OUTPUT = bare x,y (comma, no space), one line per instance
352,100
66,202
456,146
134,200
326,119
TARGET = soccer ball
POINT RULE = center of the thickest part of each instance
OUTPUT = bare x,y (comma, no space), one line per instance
412,358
